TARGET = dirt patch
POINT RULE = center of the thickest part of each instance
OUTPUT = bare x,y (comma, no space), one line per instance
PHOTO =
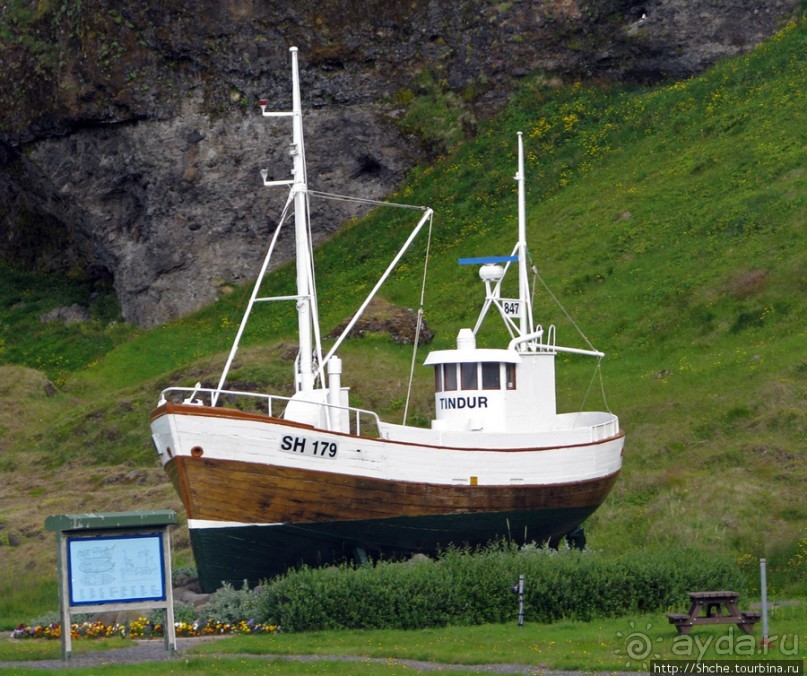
381,316
748,283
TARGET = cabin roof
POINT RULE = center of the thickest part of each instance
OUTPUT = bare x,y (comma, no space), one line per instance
466,355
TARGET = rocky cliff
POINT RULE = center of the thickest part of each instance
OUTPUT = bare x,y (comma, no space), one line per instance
130,139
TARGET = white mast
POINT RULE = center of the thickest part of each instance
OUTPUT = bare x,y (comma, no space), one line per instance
526,319
305,368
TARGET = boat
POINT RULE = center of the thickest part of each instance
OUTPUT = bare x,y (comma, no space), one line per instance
308,479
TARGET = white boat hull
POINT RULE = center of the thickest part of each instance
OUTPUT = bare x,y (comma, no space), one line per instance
282,494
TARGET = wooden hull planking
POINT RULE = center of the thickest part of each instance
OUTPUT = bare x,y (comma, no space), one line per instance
224,490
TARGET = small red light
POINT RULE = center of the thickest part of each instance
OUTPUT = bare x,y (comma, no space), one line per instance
263,102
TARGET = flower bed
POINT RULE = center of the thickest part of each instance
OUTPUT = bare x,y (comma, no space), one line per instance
143,628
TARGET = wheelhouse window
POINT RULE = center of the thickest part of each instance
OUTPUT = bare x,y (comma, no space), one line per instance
470,376
491,379
474,376
438,378
450,377
510,376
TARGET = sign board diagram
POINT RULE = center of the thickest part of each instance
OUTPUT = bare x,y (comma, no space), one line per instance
116,568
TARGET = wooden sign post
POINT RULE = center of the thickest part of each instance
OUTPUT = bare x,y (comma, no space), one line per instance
114,561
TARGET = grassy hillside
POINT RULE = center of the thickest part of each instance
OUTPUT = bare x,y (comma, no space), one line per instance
669,221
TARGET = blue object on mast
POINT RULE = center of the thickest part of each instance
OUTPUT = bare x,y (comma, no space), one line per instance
488,259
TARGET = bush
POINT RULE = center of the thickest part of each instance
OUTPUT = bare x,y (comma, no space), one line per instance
229,605
466,588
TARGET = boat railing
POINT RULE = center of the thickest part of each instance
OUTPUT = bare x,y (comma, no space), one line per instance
272,405
605,430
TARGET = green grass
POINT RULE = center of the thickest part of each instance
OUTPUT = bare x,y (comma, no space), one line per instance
589,646
624,644
670,222
23,650
19,600
52,347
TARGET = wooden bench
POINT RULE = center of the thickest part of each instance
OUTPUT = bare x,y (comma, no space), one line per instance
717,607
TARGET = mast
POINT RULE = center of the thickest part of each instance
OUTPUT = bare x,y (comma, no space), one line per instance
526,319
304,376
309,366
305,367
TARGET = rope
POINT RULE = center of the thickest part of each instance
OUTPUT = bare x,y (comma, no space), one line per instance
419,323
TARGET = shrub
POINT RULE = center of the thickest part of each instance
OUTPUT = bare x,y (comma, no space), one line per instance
466,588
228,605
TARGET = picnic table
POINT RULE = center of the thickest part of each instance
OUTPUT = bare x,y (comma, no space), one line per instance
714,607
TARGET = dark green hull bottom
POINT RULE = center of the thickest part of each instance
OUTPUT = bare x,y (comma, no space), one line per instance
256,553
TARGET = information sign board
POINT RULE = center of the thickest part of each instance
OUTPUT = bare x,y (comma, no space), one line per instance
115,569
114,561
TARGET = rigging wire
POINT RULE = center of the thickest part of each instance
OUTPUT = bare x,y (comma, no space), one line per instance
598,367
238,311
602,386
313,298
252,300
590,384
597,372
563,309
363,200
356,200
419,322
560,305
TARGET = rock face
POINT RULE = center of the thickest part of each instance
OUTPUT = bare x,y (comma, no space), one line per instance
131,143
175,209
